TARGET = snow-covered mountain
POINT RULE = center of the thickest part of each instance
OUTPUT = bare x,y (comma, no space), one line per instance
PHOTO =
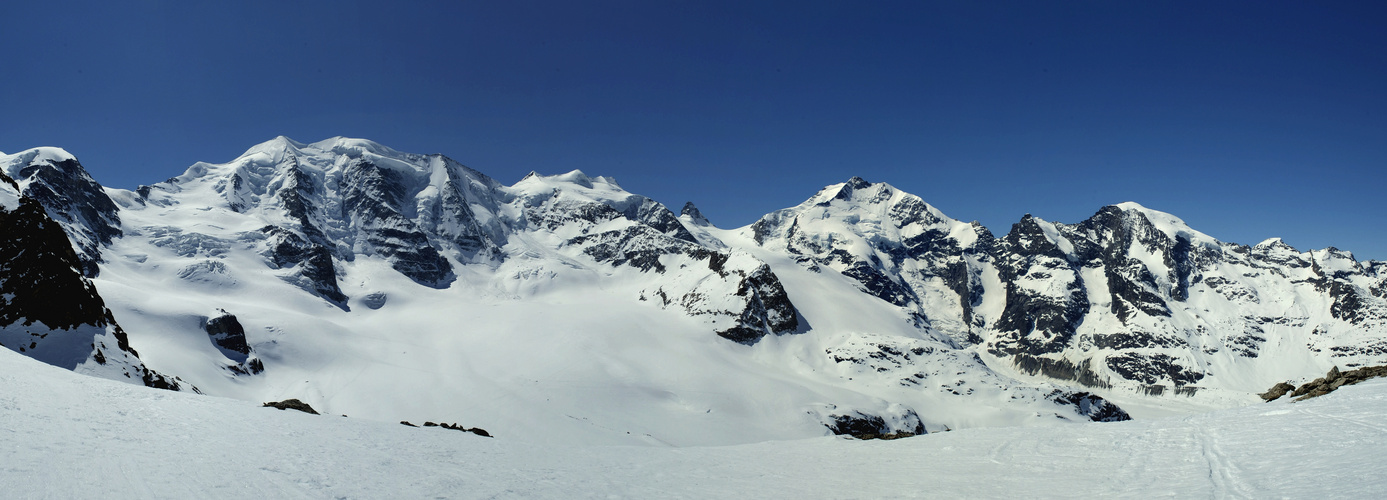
49,310
396,286
1131,298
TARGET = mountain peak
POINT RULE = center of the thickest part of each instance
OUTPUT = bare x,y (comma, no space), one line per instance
574,177
275,148
353,147
13,164
1172,226
694,214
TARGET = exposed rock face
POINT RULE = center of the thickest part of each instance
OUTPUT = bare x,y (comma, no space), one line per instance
228,334
1277,391
373,200
896,246
1130,297
321,206
695,216
1095,408
742,299
867,426
230,338
48,309
1328,383
69,196
1045,297
310,265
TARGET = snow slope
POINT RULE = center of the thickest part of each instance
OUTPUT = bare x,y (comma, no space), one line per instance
69,436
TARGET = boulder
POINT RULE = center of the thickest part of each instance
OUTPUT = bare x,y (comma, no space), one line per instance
291,404
1277,391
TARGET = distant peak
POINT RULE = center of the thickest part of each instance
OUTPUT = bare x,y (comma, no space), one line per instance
1131,205
14,165
846,190
45,153
274,147
694,215
1269,243
353,147
575,176
286,140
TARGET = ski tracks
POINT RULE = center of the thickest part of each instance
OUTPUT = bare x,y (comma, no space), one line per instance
1336,418
1225,476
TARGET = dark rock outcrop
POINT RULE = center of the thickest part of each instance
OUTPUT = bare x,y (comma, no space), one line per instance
291,404
1092,406
1277,391
695,216
310,263
228,335
866,426
49,310
1334,380
373,200
72,198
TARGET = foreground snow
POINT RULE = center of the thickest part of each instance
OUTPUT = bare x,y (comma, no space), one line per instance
70,436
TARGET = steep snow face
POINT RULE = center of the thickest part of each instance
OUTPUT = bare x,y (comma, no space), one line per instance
55,179
897,247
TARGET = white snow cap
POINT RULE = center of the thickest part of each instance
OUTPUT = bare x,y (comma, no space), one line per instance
575,177
1169,224
341,145
12,164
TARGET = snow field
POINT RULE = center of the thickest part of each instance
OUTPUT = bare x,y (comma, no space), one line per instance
70,436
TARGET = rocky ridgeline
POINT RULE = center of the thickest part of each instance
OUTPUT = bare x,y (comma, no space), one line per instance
295,404
1324,385
475,430
1130,298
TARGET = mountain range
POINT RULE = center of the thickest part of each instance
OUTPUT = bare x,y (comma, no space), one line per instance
562,308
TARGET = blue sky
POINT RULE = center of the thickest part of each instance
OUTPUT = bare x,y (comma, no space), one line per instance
1247,119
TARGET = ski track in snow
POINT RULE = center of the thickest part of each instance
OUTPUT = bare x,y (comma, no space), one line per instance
70,436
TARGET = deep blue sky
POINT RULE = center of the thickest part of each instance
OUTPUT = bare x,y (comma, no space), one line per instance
1247,119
